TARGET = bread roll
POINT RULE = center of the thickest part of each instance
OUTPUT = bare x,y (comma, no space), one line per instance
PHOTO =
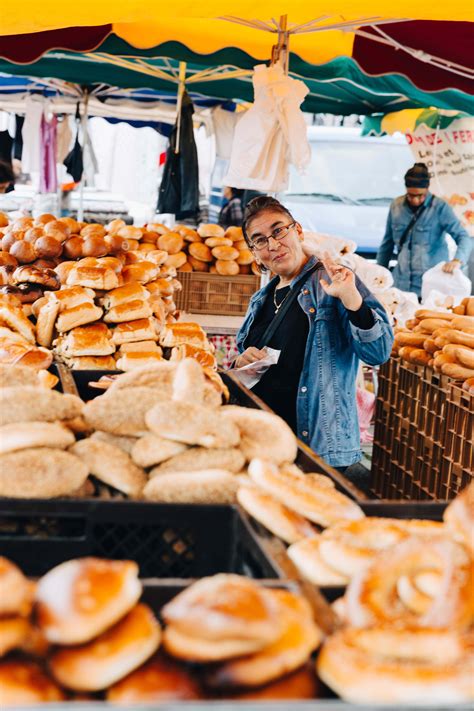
90,362
93,229
23,251
94,246
114,226
225,253
95,278
13,317
245,257
210,230
197,265
122,411
176,260
189,235
200,251
110,657
95,594
423,314
218,242
128,311
460,338
57,226
125,294
22,435
73,248
300,637
275,516
63,270
48,247
131,331
186,267
30,404
457,372
200,458
262,434
234,233
111,465
24,683
35,275
171,242
184,333
158,681
17,591
45,323
78,316
408,338
130,233
40,473
141,271
94,339
462,322
321,504
227,268
465,356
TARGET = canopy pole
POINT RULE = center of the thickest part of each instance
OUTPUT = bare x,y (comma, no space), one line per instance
280,51
179,103
80,212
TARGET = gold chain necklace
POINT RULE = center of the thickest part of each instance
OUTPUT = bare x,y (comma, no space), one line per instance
278,306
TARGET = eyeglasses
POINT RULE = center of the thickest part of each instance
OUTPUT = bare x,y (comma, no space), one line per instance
260,243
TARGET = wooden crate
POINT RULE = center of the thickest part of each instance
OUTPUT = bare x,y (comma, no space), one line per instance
204,293
424,435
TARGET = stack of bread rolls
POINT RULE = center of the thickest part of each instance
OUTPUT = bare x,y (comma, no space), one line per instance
35,432
160,432
407,618
98,641
18,337
210,248
443,340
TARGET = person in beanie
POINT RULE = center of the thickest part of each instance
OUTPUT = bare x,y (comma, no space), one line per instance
417,225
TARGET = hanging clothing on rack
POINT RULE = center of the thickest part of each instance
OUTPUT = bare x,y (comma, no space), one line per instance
64,139
48,174
18,139
6,145
30,157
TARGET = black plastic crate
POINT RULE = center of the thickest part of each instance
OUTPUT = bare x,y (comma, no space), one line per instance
166,540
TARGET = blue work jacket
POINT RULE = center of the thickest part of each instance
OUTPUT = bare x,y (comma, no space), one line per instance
426,245
326,403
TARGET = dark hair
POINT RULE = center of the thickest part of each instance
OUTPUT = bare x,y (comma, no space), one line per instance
417,176
6,172
237,192
262,203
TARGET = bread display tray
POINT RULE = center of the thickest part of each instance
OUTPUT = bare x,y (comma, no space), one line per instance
165,540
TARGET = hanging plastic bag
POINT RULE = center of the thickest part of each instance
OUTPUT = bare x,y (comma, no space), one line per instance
456,284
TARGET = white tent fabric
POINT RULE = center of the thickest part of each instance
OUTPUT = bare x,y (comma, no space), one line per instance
271,135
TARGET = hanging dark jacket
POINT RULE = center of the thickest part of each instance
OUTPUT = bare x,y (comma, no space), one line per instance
179,189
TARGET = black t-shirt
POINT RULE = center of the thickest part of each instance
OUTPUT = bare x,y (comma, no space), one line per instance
278,387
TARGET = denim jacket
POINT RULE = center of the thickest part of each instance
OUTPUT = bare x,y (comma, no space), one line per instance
326,404
426,246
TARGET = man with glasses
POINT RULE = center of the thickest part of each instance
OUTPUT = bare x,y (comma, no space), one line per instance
417,225
322,319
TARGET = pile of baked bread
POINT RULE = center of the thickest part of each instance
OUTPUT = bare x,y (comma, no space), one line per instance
406,616
443,340
227,636
162,422
210,248
223,636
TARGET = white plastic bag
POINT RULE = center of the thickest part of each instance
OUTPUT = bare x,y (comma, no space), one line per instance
456,284
250,374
